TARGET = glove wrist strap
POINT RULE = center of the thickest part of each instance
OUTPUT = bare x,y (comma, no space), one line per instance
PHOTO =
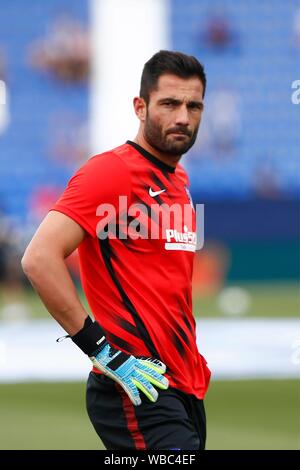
90,337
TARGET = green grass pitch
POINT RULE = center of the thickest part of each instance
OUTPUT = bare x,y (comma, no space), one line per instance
240,415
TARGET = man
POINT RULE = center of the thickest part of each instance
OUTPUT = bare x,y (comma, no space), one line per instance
138,286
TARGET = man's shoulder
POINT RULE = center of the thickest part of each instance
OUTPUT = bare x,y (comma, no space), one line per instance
110,160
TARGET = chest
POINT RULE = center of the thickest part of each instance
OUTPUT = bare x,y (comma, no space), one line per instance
160,216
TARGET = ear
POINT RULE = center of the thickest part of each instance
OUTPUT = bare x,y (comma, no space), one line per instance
140,108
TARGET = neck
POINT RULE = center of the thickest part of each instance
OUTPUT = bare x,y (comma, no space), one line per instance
170,160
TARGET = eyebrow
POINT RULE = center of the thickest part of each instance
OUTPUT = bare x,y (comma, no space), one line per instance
175,101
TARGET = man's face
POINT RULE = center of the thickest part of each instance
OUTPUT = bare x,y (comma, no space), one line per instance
174,114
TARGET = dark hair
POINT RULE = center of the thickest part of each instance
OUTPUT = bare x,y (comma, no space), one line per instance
175,63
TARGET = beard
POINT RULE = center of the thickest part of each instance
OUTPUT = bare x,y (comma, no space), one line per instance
165,142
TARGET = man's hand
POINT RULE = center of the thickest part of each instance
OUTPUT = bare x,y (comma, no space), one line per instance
132,373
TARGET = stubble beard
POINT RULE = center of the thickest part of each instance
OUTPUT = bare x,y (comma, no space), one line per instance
163,142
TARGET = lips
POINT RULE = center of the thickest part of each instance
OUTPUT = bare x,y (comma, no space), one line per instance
179,134
175,132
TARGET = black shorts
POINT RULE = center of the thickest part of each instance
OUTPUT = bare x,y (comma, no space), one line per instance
176,421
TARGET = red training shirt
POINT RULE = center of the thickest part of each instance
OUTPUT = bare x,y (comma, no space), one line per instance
139,289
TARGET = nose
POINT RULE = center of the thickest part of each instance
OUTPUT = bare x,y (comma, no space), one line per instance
182,116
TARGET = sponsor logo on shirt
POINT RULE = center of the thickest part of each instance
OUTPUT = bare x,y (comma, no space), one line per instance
183,241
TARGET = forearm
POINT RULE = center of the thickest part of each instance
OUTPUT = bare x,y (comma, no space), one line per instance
52,281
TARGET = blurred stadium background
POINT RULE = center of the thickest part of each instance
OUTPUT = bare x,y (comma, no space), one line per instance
68,71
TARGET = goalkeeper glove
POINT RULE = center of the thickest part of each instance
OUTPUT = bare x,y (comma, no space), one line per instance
132,373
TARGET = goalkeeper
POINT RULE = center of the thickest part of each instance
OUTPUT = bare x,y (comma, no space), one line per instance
147,386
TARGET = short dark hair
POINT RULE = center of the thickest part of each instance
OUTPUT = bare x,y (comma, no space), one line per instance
176,63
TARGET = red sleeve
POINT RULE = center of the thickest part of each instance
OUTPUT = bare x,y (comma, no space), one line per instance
101,180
